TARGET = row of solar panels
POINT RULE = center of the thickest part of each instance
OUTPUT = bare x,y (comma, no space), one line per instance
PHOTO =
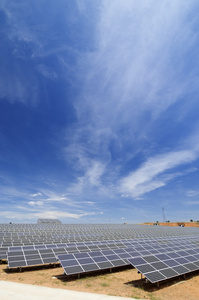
4,247
53,235
165,266
146,241
38,245
47,240
45,256
43,241
48,221
26,236
147,256
21,254
8,230
155,268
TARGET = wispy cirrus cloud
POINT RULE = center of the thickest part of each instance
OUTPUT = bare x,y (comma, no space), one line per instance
129,81
192,193
10,214
36,203
28,42
193,202
43,202
154,174
91,178
36,194
133,63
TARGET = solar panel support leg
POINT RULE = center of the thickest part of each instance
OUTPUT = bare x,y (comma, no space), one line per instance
184,276
110,270
158,284
79,276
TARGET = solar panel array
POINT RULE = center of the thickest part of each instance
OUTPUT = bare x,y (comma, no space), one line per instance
157,259
37,234
165,266
48,221
45,254
157,252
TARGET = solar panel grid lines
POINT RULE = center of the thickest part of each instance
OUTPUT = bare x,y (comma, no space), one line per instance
94,261
16,258
167,268
67,245
136,241
77,244
29,258
47,254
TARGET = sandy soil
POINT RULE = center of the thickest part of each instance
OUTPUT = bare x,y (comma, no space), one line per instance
123,282
186,224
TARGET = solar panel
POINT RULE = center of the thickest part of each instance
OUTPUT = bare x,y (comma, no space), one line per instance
145,268
155,276
181,270
95,261
165,266
191,266
48,221
14,264
171,263
160,248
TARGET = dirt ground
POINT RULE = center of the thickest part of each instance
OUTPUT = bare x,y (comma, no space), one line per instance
176,224
124,282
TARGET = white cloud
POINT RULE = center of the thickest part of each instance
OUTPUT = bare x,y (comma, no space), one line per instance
129,80
58,214
36,194
90,203
10,191
192,193
196,202
35,215
36,203
132,65
47,196
93,172
47,72
150,175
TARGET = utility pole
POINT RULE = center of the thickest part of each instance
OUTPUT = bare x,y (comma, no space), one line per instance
163,214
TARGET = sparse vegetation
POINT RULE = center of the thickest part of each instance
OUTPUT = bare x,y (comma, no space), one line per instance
152,297
104,284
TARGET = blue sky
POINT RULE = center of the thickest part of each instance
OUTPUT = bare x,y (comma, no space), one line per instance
99,110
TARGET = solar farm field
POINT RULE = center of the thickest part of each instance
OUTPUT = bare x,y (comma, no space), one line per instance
146,258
